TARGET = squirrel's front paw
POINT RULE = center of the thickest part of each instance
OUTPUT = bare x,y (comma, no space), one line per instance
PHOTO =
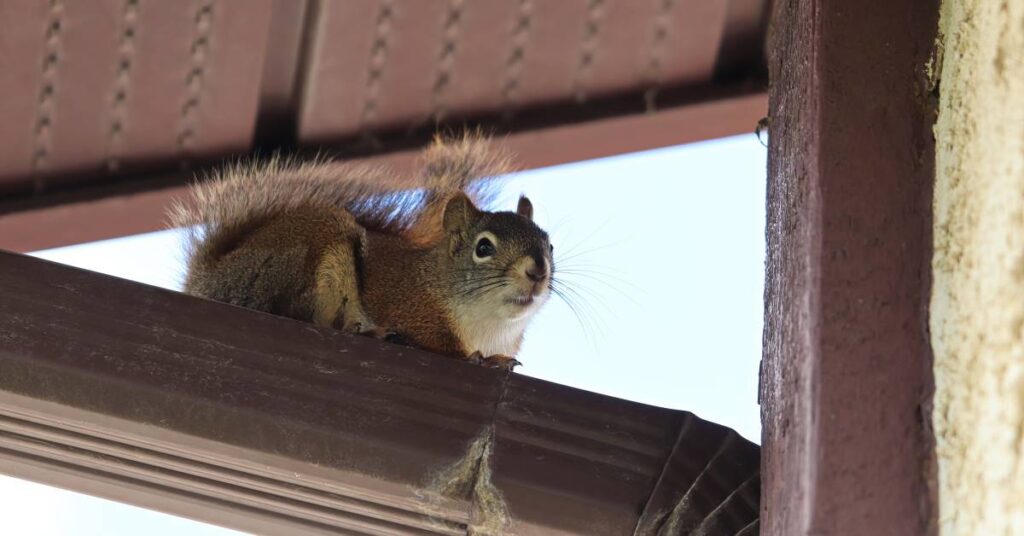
503,362
376,332
495,361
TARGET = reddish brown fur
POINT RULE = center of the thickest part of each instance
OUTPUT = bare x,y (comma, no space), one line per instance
417,312
321,241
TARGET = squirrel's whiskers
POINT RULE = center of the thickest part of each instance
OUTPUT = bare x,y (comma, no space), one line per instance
573,283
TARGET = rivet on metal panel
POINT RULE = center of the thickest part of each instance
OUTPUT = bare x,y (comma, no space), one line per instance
653,76
187,132
588,47
446,61
122,82
45,103
378,56
514,63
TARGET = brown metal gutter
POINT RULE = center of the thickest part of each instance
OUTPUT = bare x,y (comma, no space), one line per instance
273,426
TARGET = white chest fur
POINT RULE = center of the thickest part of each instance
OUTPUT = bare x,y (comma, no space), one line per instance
487,331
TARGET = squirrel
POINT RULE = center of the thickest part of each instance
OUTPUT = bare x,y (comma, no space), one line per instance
355,248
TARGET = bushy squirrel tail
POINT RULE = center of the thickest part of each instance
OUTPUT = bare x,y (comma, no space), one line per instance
236,199
470,164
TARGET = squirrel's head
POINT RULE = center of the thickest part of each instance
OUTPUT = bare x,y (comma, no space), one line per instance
501,261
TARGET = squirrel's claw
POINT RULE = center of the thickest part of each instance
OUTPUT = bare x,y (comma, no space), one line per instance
505,362
494,361
376,332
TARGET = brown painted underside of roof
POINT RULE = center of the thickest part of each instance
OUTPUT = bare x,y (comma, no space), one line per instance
138,205
106,99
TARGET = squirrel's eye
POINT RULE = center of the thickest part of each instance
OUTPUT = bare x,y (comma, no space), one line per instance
484,248
551,249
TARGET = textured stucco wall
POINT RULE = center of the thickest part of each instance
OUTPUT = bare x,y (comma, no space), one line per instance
977,308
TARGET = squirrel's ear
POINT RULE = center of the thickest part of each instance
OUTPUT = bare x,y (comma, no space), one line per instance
525,208
458,212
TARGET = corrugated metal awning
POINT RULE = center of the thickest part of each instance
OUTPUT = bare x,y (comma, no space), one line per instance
105,99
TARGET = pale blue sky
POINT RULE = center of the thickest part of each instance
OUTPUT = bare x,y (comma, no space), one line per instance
668,250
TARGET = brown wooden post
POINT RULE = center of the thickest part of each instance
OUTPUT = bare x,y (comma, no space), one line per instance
846,376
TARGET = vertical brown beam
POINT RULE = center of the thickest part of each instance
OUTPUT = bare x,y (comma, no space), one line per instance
846,376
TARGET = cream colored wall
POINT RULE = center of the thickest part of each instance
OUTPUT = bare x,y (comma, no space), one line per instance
977,308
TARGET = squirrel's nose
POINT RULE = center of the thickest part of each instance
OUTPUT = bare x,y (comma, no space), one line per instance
536,273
